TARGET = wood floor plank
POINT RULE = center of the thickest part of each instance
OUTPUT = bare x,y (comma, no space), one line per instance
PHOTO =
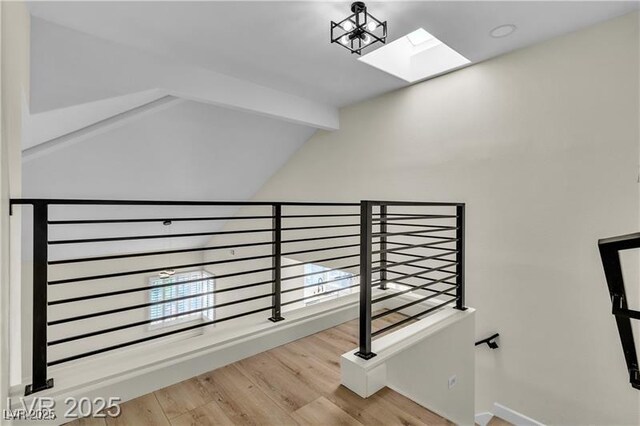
182,397
408,406
88,421
308,370
297,383
338,338
284,386
382,413
323,412
314,347
210,414
497,421
242,400
144,410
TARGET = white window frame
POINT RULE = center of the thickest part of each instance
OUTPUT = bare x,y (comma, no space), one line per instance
205,287
322,274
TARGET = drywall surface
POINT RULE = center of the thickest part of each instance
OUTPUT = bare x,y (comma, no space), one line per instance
429,361
15,88
445,383
542,145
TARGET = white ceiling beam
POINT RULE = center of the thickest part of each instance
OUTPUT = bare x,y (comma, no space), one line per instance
101,126
70,68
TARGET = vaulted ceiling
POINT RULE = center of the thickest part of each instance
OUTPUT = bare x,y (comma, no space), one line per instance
225,90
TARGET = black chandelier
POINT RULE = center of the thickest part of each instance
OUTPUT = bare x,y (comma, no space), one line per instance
359,30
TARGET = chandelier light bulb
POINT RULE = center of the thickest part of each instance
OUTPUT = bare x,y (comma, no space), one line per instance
347,25
366,39
371,26
344,40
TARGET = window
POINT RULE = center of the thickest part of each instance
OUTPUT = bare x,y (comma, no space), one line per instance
326,283
188,294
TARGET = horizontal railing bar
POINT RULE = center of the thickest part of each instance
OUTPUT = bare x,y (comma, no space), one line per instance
289,253
146,305
415,302
399,323
414,203
414,288
299,216
429,279
157,236
157,269
316,261
429,245
149,321
418,225
289,290
147,220
61,201
330,237
452,284
446,271
421,258
319,294
156,336
425,267
400,216
413,233
148,288
425,270
302,228
156,253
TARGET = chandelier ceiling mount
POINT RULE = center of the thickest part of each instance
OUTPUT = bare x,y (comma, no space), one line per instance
358,30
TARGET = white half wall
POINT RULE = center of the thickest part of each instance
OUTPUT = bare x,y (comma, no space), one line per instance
542,145
430,362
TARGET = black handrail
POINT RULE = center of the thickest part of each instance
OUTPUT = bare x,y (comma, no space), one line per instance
453,235
270,232
609,253
489,341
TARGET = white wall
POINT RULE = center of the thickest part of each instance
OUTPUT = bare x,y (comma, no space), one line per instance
15,88
542,145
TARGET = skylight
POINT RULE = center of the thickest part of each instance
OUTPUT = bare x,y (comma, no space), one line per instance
416,56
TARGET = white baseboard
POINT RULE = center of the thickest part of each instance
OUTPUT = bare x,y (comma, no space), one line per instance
507,414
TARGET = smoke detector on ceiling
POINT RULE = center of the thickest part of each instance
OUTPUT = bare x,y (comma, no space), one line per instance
502,31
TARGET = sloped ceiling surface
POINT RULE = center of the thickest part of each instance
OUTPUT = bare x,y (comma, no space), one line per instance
189,151
285,45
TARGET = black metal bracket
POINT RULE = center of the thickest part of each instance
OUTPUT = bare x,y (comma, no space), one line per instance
364,355
489,341
29,389
609,253
276,319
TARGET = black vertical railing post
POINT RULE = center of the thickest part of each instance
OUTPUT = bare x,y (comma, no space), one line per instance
39,379
276,274
383,247
460,219
366,225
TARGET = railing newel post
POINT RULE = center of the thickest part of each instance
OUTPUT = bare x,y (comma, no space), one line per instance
276,312
366,225
460,225
39,379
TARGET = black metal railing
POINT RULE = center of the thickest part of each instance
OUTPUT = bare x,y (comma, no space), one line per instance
420,253
94,262
610,253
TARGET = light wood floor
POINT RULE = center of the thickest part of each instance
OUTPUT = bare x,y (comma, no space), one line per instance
294,384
